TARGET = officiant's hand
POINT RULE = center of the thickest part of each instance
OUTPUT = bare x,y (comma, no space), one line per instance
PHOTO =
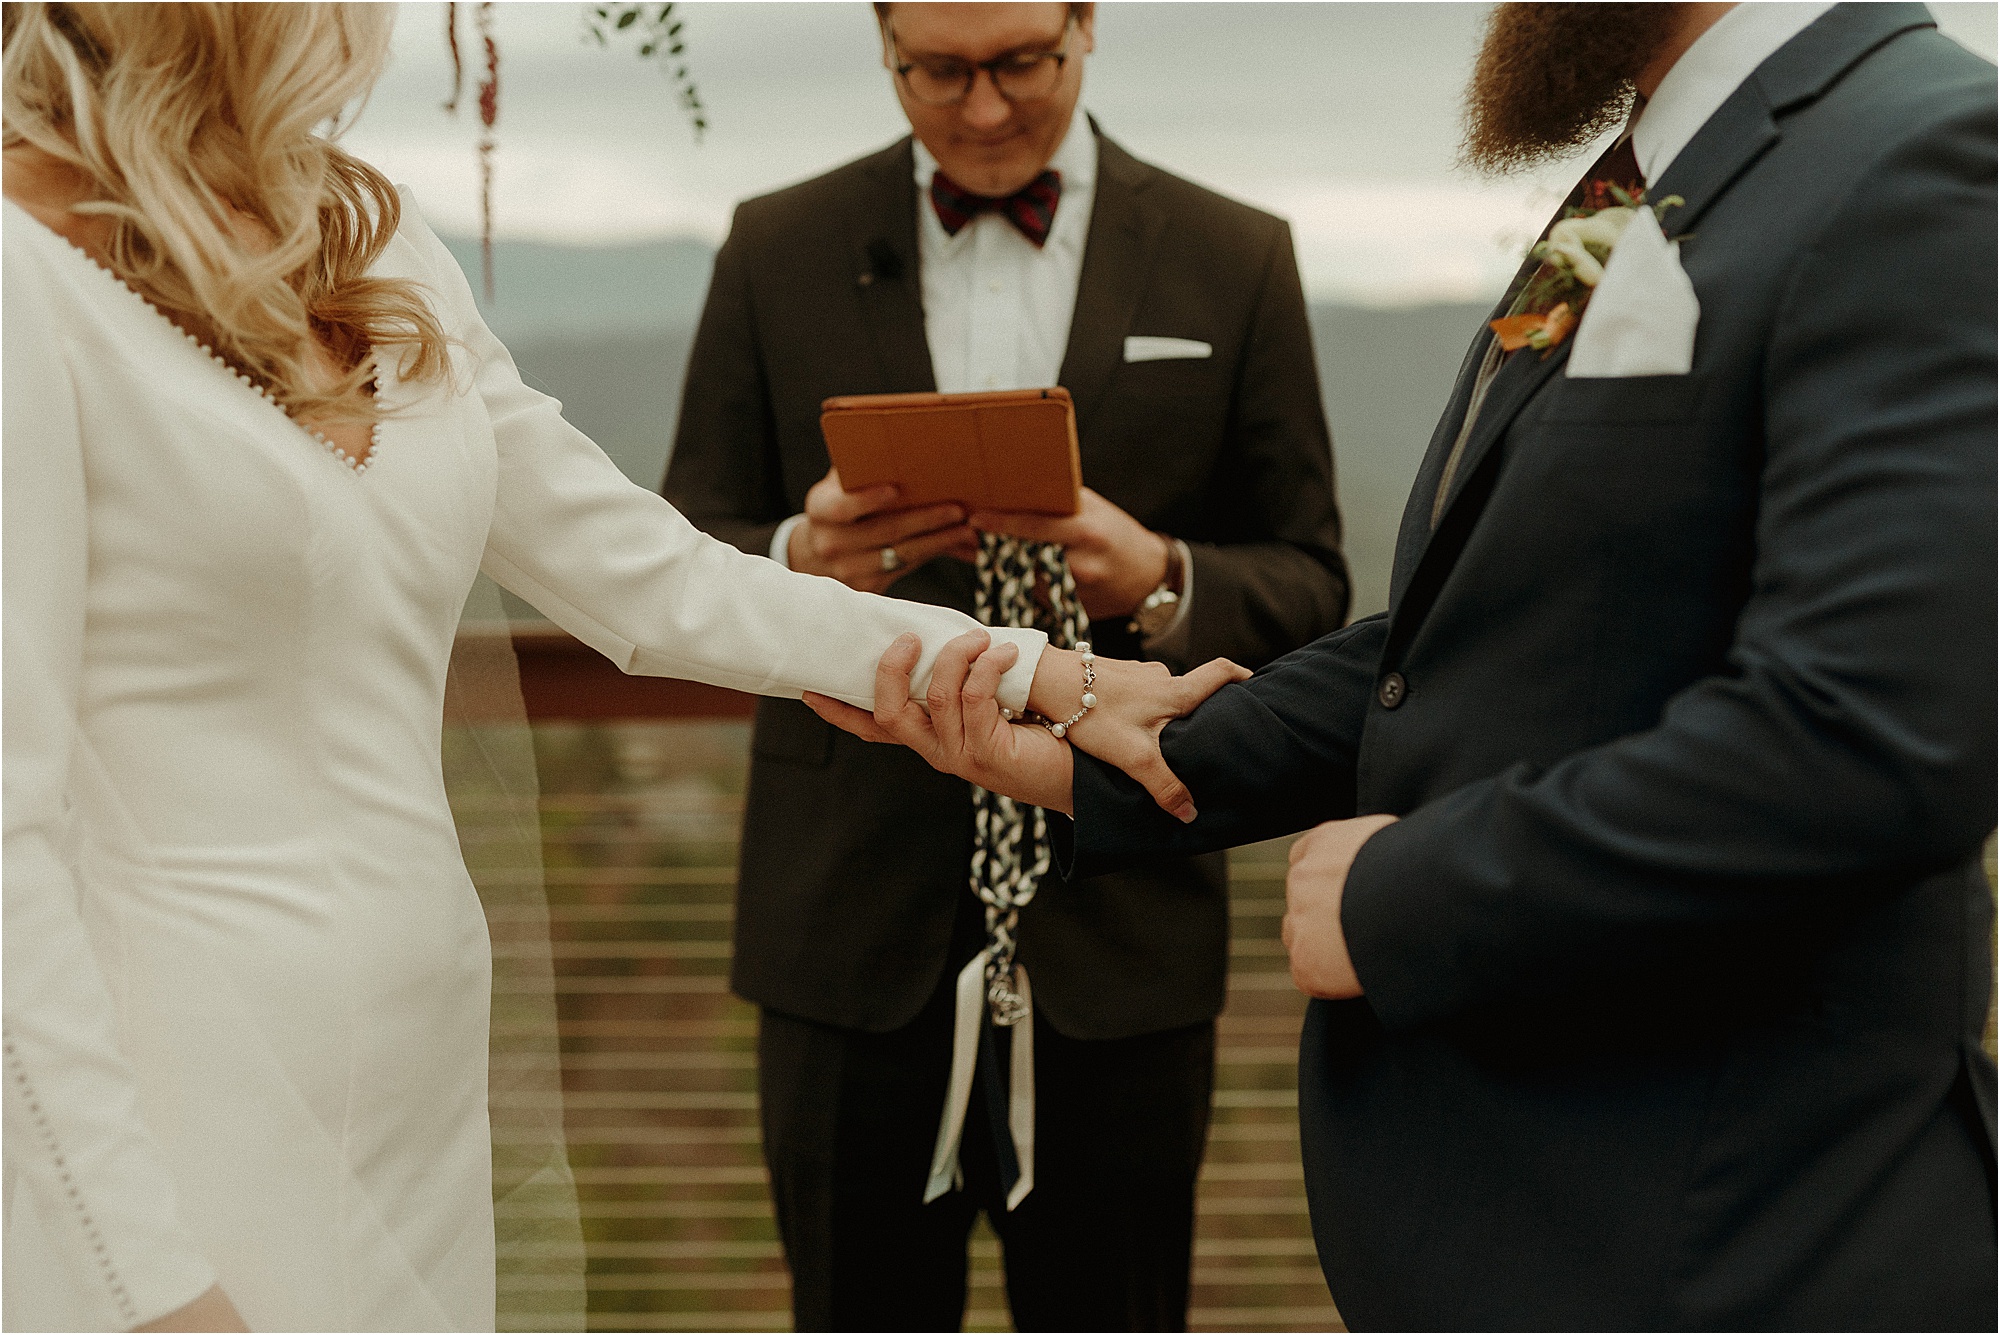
867,541
1116,559
965,734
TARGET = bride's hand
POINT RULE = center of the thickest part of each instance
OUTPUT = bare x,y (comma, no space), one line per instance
1135,702
963,732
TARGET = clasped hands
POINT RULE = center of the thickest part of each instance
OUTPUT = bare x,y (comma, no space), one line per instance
960,729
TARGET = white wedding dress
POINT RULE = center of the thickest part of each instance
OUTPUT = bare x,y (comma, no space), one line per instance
246,981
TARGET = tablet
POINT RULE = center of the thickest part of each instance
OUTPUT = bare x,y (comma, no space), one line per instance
1005,450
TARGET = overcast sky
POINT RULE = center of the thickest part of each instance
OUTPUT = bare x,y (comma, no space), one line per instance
1341,117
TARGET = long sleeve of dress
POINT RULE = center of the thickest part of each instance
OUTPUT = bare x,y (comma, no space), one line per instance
621,569
78,1154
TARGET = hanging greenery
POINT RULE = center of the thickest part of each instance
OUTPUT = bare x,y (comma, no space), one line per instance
659,34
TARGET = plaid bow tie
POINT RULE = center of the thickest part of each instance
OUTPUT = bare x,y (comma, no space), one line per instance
1032,208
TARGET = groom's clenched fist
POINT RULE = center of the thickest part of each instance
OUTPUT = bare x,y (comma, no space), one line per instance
1313,935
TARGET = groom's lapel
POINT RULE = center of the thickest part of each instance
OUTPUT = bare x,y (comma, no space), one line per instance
888,284
1746,125
1518,381
1413,538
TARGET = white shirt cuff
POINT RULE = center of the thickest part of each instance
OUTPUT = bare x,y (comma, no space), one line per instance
781,541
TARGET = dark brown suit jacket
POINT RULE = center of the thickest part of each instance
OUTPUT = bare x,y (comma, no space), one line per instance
854,855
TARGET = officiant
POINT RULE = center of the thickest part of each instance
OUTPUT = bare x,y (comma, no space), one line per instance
1006,243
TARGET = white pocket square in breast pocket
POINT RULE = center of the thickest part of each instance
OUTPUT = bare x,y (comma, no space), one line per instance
1151,348
1643,316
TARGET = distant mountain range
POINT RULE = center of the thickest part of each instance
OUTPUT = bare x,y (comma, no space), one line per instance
607,331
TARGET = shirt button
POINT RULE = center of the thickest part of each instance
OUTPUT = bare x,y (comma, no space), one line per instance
1392,690
996,285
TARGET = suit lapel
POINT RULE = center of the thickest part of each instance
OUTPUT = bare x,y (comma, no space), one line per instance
887,281
1745,126
1414,534
1125,228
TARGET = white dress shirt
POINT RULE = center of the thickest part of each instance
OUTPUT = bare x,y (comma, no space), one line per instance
997,307
1707,73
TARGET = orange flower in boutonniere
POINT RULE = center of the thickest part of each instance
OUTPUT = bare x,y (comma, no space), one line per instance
1535,331
1573,257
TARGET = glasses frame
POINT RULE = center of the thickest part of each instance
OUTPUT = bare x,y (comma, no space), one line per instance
1059,54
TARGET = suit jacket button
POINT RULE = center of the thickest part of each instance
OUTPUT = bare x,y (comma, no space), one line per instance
1392,690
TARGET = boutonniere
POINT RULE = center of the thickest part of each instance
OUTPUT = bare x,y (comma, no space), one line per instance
1573,257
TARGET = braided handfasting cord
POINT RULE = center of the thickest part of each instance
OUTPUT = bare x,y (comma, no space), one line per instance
1020,584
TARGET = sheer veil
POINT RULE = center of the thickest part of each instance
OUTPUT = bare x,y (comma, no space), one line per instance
489,771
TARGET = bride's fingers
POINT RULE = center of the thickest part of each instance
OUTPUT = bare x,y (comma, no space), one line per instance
1204,681
1156,778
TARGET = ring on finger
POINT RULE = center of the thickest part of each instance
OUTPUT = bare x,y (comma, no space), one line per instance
891,561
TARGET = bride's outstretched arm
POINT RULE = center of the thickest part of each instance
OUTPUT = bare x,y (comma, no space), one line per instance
623,571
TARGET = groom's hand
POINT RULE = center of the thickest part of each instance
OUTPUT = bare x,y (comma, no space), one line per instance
963,732
1321,858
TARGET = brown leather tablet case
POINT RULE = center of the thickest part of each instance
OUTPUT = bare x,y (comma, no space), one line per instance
1006,450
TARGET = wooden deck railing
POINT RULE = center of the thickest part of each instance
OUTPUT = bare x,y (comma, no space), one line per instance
565,679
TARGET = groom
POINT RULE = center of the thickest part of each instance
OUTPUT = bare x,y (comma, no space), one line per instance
1653,975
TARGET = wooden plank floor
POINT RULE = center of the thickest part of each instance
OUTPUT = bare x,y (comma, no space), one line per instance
639,830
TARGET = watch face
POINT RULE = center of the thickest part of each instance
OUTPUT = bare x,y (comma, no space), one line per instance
1157,612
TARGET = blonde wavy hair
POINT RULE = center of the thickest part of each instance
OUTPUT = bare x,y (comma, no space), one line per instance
188,119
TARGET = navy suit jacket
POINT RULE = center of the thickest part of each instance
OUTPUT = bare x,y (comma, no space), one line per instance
1677,962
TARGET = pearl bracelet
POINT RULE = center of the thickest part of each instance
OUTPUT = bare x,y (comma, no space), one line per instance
1089,701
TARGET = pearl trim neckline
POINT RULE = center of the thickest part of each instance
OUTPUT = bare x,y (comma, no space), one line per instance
354,465
358,466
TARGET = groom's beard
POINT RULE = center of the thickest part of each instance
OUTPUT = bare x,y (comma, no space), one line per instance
1552,77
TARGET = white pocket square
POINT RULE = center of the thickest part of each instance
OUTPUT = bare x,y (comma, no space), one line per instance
1151,348
1642,317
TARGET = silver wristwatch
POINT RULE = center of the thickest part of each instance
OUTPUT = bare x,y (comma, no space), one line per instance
1157,610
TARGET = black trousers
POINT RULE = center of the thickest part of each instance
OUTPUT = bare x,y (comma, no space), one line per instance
1103,1242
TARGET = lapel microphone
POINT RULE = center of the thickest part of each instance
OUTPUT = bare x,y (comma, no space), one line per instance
883,262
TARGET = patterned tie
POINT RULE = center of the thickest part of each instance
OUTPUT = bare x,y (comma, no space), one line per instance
1032,208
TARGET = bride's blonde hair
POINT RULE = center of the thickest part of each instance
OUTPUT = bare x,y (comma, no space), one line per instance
180,113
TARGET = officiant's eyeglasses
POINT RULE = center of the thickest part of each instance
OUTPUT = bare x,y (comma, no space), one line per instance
1020,76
